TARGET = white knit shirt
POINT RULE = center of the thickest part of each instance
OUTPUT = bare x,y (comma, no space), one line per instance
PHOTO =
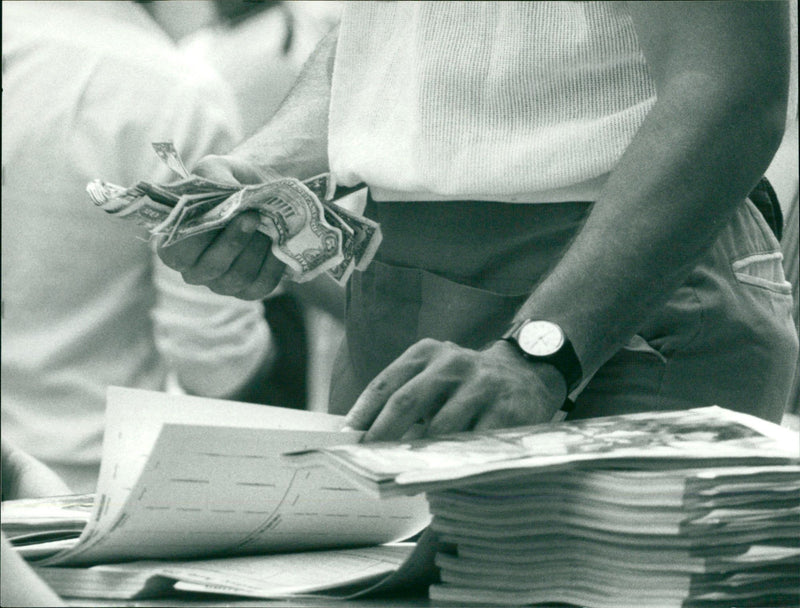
87,304
506,101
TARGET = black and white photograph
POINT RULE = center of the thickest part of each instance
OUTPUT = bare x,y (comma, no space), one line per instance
400,303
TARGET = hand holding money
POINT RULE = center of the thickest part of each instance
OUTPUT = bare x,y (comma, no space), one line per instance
309,233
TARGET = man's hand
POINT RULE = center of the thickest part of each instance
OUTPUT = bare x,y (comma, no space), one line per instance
235,260
25,477
449,389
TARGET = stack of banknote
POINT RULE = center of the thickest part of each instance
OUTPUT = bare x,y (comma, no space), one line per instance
310,233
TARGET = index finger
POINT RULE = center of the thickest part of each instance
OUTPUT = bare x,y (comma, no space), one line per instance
374,397
185,254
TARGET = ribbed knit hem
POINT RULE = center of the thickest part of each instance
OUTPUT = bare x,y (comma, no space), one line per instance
585,191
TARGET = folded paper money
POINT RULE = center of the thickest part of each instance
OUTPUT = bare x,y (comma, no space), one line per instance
310,233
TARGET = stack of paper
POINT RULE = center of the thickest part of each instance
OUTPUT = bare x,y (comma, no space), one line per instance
699,508
616,538
199,485
335,573
40,520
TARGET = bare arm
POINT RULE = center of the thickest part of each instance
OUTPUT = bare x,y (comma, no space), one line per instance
295,141
19,584
721,72
24,477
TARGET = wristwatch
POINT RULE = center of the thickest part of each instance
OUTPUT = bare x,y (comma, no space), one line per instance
546,342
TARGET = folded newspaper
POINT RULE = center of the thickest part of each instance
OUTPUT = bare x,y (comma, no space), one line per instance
697,437
310,233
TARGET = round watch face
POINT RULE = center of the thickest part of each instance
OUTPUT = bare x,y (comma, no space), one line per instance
540,338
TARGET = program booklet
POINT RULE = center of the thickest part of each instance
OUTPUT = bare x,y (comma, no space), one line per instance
187,478
700,437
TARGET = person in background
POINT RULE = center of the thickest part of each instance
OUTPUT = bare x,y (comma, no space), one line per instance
87,86
23,476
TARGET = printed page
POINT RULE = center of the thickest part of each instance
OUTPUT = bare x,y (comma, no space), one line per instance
343,573
134,419
173,490
703,436
292,573
223,491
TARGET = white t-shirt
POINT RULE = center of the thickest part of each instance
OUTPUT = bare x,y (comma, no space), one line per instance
86,303
504,101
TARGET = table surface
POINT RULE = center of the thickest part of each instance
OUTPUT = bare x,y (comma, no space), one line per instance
197,600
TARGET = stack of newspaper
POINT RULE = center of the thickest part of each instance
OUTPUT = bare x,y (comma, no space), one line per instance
309,232
616,538
688,509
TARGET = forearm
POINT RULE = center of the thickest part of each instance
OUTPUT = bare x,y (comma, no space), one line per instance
322,292
295,141
23,476
701,149
19,583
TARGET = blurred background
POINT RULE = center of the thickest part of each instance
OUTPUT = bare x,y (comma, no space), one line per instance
258,48
86,303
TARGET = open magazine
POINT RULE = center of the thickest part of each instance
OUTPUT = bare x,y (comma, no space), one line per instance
697,437
188,478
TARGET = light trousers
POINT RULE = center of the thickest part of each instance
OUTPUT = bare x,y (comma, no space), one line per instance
459,270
